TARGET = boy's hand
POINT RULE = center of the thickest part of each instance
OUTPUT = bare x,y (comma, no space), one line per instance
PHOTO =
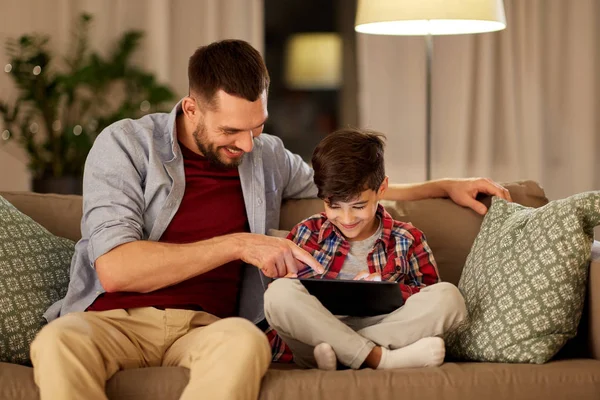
366,275
276,257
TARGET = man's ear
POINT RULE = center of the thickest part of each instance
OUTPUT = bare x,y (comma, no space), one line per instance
382,188
190,108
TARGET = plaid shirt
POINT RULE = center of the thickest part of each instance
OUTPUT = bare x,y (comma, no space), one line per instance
400,254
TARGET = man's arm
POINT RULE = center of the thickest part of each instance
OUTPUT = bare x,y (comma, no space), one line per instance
144,266
113,223
461,191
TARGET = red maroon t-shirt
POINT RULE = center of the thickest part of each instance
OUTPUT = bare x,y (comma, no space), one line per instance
212,205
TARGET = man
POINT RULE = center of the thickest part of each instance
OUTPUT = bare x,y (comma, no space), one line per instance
174,215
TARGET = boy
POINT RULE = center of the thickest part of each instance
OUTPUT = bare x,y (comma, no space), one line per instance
355,238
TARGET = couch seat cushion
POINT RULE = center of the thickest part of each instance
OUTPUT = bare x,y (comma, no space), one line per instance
569,379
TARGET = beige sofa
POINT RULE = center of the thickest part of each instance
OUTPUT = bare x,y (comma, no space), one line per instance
574,374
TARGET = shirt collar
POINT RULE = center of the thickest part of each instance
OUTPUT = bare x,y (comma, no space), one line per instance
328,229
172,129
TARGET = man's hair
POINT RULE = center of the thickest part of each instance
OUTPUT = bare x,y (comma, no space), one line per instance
348,162
231,65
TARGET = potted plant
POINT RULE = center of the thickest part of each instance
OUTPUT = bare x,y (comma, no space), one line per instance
61,106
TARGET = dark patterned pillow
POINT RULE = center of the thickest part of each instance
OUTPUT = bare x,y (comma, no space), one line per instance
34,273
524,281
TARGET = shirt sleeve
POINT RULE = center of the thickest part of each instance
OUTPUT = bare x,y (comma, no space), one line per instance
420,266
303,235
113,193
297,174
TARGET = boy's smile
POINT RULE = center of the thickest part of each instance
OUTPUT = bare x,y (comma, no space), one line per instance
350,227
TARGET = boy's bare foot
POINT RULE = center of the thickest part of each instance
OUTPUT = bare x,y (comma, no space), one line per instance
325,356
426,352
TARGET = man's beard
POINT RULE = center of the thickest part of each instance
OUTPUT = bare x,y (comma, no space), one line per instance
210,151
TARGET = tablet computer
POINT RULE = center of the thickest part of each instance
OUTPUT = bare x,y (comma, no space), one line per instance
355,298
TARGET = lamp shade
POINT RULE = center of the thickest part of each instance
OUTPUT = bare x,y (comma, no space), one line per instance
313,61
424,17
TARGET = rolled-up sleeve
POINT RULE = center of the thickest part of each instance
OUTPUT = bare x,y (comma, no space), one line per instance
113,192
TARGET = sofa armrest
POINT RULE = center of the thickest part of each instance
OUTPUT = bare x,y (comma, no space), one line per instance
594,302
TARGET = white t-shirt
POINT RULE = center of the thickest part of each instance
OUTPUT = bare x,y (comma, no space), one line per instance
356,261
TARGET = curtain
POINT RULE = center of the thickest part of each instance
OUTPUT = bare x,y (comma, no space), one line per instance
515,104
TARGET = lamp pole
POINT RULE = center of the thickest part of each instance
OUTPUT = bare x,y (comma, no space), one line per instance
425,18
428,100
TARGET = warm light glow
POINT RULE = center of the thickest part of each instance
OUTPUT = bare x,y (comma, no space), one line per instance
435,17
145,106
436,27
313,61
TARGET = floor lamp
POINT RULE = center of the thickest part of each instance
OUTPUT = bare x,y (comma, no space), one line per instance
428,18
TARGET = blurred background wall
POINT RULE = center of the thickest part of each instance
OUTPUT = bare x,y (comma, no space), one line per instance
516,104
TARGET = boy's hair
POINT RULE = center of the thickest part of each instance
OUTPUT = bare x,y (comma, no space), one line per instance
231,65
348,162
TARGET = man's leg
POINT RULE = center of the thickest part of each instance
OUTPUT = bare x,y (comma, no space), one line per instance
75,355
432,312
302,321
227,359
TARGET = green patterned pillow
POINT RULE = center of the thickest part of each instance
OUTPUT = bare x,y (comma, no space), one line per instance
34,273
525,279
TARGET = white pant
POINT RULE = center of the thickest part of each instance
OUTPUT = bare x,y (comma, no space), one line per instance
303,322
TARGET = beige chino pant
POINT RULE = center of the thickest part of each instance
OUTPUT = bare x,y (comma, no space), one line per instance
75,355
302,322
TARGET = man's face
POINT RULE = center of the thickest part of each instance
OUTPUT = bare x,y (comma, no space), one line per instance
225,134
356,219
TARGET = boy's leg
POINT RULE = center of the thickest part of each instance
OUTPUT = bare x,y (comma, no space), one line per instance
302,321
432,312
75,355
227,358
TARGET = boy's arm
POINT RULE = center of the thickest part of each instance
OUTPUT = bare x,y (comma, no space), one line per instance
422,268
461,191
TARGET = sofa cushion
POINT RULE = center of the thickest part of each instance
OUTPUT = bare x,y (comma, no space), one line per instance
278,233
569,379
59,213
572,379
525,278
34,273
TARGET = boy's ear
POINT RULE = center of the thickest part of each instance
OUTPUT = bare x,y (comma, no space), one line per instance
382,188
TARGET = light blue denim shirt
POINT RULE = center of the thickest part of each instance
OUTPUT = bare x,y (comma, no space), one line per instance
134,182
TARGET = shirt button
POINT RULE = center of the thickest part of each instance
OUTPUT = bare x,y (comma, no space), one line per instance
259,202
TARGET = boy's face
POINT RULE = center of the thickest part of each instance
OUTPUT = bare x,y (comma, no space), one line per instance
356,218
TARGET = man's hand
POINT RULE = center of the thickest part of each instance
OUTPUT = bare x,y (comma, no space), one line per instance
464,192
366,275
276,257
